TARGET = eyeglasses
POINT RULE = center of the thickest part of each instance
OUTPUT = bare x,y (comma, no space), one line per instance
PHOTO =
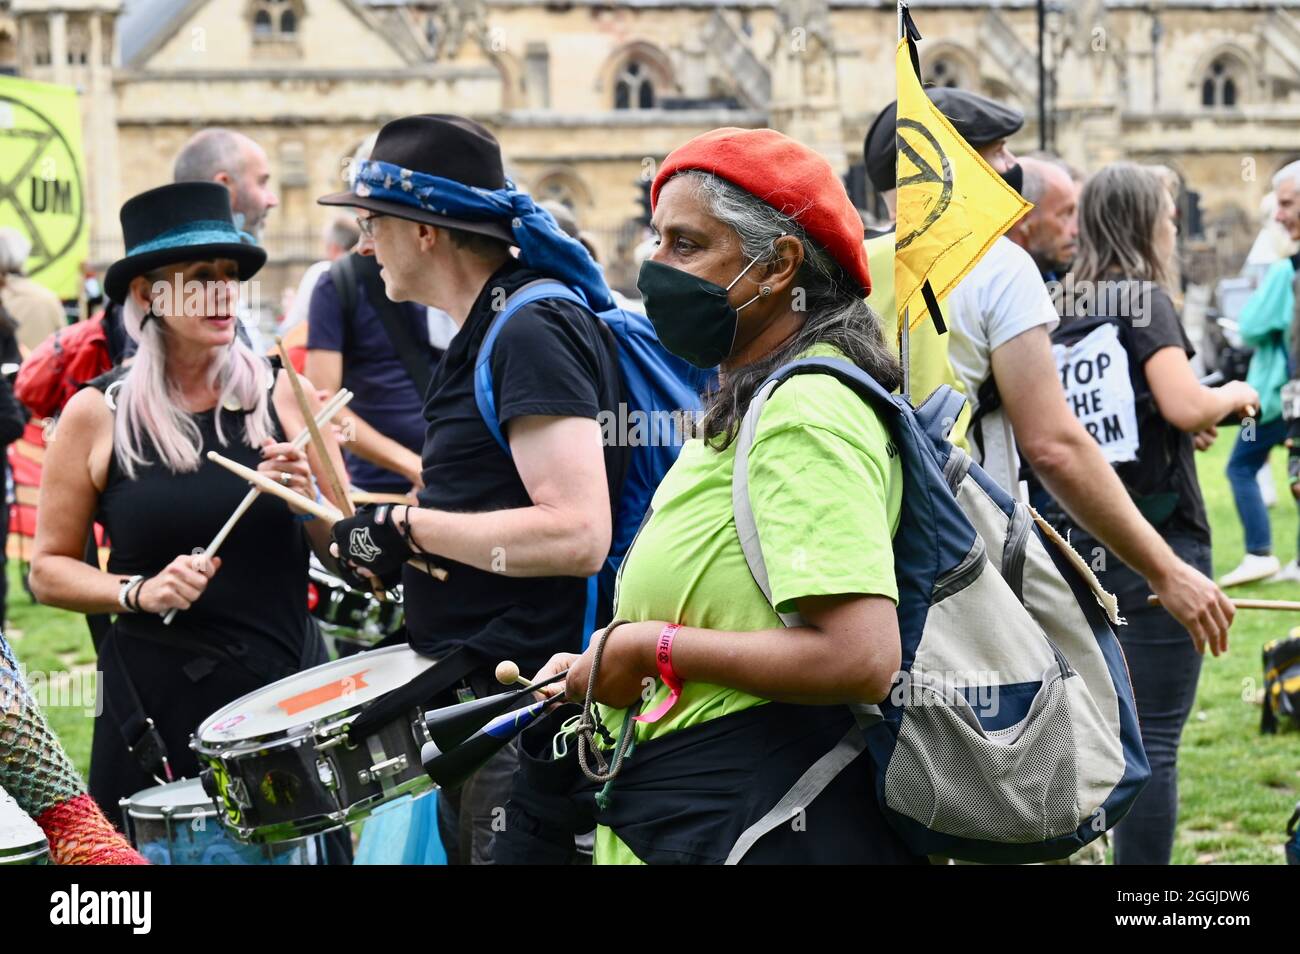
367,225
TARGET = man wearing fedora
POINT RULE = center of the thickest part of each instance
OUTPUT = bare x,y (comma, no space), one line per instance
517,531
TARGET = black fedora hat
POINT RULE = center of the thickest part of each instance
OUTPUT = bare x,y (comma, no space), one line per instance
451,147
181,222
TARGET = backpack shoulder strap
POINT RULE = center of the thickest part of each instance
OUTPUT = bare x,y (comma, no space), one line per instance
484,389
395,321
939,412
746,527
343,273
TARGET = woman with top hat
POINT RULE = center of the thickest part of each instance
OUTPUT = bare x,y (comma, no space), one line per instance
759,263
131,454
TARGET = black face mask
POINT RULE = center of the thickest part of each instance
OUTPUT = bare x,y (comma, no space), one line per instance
691,315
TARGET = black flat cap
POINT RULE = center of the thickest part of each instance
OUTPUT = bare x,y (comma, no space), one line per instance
977,119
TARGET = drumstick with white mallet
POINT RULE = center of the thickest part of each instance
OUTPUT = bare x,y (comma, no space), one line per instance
1289,606
332,407
322,452
329,514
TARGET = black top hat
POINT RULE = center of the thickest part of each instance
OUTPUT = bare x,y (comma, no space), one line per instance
977,119
452,147
181,222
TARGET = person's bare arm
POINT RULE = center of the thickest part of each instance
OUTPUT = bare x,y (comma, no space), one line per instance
847,651
1187,404
566,531
73,475
326,369
1072,468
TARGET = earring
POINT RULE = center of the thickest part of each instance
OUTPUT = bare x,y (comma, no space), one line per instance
765,290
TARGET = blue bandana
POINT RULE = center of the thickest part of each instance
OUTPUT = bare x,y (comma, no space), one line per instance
543,246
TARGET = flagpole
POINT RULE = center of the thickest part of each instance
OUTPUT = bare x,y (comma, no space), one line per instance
904,331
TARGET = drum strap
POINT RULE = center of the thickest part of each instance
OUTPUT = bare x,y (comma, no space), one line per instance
139,734
424,688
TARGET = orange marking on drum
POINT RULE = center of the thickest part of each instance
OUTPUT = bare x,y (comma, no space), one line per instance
322,694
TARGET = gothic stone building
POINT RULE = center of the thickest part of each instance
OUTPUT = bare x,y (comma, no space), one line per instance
586,97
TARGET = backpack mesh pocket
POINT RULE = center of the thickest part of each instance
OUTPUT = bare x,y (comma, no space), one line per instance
1015,785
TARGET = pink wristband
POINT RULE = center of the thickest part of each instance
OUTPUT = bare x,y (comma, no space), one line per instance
664,660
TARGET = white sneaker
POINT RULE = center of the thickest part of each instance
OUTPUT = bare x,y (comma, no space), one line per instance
1267,489
1288,574
1251,569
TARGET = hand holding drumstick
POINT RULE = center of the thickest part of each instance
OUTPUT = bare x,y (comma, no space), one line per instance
323,511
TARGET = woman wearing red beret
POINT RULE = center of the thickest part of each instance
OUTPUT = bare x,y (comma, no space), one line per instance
759,262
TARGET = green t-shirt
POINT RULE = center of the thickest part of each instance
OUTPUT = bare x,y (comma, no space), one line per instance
825,484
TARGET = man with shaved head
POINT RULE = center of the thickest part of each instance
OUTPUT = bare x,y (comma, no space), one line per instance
239,164
1050,232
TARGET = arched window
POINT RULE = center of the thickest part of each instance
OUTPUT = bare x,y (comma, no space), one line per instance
634,88
1222,84
943,71
41,43
565,187
78,43
276,19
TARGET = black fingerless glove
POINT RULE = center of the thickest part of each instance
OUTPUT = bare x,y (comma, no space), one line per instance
372,541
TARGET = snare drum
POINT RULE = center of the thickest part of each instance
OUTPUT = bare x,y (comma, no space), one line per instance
347,614
21,840
176,824
280,765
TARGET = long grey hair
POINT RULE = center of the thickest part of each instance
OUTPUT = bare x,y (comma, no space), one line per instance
837,314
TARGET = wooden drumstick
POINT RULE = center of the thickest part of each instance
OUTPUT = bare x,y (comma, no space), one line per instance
508,675
329,514
322,452
332,407
1290,606
317,442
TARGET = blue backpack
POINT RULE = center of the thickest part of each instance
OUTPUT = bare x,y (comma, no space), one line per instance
661,394
1010,734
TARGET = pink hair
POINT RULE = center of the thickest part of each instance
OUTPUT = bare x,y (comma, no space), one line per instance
149,405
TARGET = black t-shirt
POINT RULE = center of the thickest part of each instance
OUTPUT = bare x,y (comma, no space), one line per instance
552,358
1166,462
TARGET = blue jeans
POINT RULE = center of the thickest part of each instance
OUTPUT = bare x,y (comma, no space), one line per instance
1164,667
1243,466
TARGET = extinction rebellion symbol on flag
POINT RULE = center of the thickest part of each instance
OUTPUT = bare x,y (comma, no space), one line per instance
935,170
42,189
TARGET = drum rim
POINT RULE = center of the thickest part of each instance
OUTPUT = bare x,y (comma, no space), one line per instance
323,823
21,853
298,731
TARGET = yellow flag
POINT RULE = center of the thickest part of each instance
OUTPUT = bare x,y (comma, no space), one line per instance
951,204
42,185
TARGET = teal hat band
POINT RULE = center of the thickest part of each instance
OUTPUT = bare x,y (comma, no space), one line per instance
204,232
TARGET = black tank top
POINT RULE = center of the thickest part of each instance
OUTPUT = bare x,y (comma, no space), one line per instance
256,603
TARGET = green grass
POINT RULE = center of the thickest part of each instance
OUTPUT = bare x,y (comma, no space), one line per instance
1236,788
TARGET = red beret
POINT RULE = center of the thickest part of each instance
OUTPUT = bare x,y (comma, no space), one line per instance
788,176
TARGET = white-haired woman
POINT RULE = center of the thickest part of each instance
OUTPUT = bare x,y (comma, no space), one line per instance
132,456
